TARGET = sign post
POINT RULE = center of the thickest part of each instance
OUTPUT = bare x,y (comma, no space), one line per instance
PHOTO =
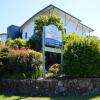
43,52
51,42
61,59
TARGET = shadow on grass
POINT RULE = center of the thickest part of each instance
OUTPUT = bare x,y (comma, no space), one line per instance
13,97
70,98
92,97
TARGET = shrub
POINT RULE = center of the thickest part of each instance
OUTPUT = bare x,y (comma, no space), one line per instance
10,43
36,40
81,56
18,43
2,45
4,55
53,71
22,64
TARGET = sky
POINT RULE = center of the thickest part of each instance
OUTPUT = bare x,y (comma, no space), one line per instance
16,12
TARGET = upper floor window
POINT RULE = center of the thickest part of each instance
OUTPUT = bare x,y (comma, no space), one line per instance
26,35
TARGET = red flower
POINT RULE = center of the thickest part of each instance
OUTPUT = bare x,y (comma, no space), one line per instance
21,51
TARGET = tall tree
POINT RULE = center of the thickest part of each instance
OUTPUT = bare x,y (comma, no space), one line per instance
43,20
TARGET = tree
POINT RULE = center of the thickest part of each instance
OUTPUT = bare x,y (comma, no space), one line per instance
10,42
18,43
43,20
36,40
81,56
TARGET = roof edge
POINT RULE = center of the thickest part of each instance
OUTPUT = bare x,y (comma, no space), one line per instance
66,13
46,8
87,27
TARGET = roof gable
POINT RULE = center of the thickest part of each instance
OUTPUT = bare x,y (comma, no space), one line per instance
67,14
48,8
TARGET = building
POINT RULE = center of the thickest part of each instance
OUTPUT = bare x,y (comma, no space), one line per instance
12,31
3,37
71,23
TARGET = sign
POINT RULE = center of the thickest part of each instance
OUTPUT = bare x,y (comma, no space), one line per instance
53,36
55,50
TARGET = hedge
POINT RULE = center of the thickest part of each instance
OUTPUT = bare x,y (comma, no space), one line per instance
20,64
81,56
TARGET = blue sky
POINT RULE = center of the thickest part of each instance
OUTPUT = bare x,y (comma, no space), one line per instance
16,12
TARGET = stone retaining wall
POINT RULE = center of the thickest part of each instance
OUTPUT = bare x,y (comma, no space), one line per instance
68,87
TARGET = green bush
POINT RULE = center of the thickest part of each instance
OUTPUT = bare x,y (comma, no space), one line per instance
18,43
20,64
81,56
10,43
4,55
2,45
54,70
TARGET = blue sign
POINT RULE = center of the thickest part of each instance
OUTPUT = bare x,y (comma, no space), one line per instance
53,36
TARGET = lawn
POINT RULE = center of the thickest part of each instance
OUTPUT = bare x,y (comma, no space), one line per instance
7,97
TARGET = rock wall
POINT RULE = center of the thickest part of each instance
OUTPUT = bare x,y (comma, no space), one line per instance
68,87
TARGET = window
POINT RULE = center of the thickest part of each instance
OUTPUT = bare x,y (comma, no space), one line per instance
26,35
33,31
65,30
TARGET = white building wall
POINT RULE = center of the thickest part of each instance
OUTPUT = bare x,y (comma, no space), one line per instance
29,26
29,29
70,24
3,38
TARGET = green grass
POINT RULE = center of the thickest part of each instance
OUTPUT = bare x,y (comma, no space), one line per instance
8,97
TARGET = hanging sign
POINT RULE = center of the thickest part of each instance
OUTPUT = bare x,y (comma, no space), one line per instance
53,36
55,50
51,42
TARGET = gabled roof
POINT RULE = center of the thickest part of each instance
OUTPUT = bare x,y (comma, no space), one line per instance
88,28
50,7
